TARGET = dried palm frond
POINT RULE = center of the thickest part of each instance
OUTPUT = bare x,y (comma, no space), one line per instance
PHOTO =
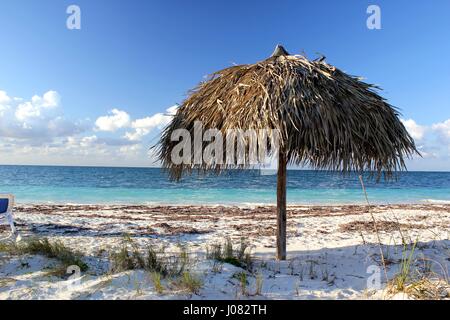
327,118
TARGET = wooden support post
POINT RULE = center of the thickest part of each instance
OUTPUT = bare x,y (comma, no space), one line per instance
281,206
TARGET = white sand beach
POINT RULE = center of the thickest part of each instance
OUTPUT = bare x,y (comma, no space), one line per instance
333,251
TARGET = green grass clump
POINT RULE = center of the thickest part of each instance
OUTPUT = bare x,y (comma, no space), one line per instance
401,280
54,250
227,254
160,264
242,277
153,259
189,282
156,279
7,248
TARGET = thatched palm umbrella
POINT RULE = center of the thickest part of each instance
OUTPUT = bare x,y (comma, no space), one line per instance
327,120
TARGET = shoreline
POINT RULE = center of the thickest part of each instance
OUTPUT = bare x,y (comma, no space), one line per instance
236,204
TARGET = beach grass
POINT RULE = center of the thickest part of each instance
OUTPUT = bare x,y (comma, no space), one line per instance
153,259
54,250
190,282
156,279
418,283
226,253
259,284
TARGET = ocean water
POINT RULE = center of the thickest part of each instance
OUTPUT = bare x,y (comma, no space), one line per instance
89,185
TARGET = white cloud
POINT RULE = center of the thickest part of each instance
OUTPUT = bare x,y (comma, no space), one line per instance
4,98
443,128
427,151
116,120
38,106
88,141
434,145
131,150
35,131
416,131
50,99
37,120
27,110
172,110
144,126
4,101
3,110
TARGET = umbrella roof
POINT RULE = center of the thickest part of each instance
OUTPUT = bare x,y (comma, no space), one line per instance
327,118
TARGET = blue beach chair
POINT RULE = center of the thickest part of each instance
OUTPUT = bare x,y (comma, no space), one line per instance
6,214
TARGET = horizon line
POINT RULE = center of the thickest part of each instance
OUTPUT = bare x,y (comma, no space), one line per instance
159,167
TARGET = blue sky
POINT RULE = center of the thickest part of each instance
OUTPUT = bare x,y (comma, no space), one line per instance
139,58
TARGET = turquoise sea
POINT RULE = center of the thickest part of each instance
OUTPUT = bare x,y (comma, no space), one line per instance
87,185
